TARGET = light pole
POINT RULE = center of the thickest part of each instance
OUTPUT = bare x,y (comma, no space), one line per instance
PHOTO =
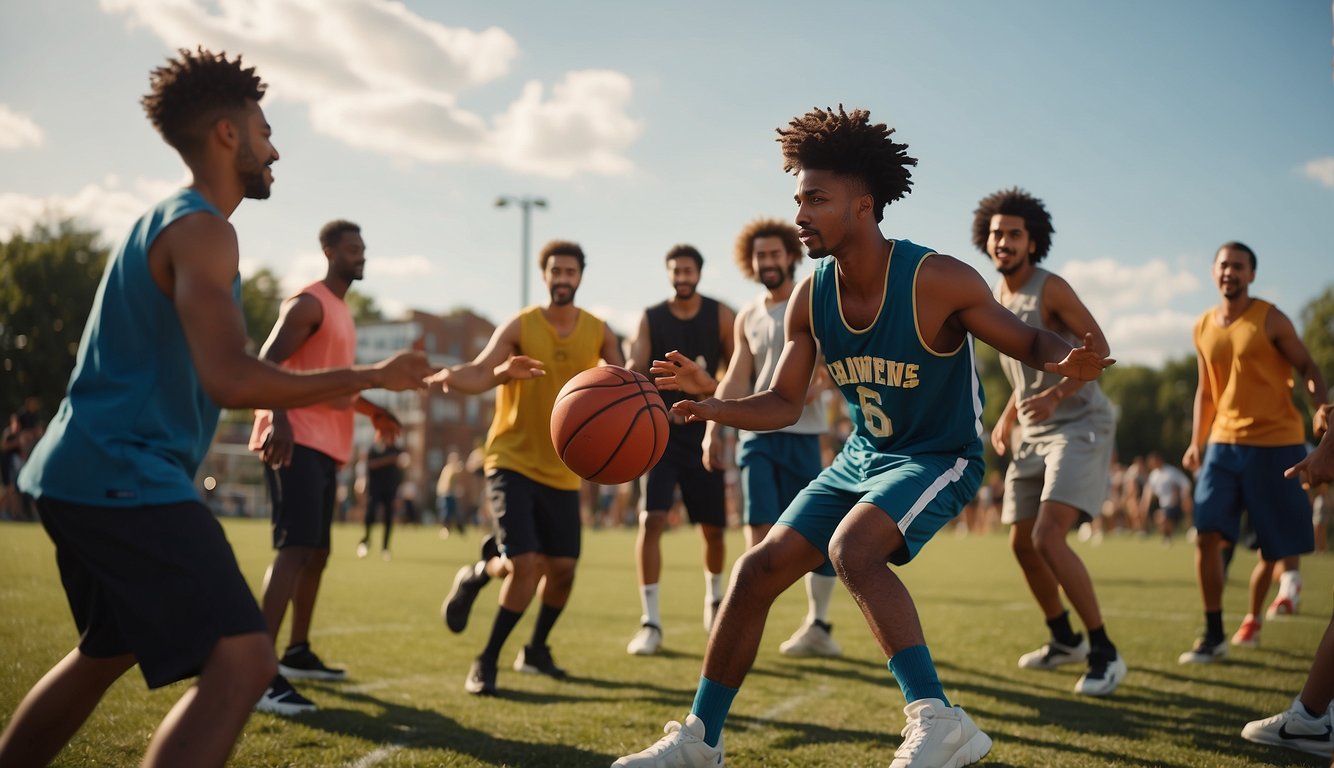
526,205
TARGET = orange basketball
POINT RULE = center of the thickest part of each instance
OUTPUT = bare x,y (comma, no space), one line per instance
609,425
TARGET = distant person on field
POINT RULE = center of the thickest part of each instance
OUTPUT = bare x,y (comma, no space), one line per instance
1245,432
147,570
383,476
1171,488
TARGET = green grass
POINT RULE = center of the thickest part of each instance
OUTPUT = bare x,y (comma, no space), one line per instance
404,704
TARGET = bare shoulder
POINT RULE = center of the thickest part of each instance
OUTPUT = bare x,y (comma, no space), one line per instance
200,230
941,274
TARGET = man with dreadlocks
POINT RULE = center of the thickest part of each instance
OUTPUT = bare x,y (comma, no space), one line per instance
895,322
1058,474
147,571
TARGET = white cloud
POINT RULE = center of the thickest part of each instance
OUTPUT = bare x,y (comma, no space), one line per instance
415,265
1137,306
379,77
107,206
1321,170
17,130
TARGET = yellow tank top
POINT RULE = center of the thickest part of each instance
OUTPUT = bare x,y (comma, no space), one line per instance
1250,379
520,437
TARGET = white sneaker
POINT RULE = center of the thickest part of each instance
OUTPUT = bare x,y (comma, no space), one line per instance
682,747
646,641
1204,652
813,639
1103,675
1054,654
938,736
1294,729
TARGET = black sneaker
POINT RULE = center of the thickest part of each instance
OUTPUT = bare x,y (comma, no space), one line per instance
481,678
282,699
458,604
536,659
490,548
301,663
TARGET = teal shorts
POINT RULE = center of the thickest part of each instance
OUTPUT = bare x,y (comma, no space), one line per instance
920,493
775,467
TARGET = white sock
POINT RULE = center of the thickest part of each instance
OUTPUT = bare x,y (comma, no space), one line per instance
1290,585
713,587
819,592
648,597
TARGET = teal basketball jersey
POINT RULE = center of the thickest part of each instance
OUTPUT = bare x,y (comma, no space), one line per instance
904,399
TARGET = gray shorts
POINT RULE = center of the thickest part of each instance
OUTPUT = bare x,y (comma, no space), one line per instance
1070,466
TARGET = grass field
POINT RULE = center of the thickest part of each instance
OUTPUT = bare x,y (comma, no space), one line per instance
404,704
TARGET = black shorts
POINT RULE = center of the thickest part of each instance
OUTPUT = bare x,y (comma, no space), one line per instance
702,491
533,517
158,582
303,494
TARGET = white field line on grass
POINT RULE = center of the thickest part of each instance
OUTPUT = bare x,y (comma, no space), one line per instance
787,705
364,629
372,686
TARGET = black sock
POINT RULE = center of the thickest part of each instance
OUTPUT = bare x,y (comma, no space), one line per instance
1098,639
500,632
296,647
546,619
1213,626
1061,631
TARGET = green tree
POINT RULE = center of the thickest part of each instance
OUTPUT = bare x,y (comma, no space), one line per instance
1318,332
261,296
48,278
362,306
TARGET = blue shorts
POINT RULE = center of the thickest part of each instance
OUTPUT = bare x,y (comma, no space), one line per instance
1246,477
775,466
920,493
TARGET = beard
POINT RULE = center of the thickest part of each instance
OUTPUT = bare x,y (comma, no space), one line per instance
772,278
251,171
561,295
684,290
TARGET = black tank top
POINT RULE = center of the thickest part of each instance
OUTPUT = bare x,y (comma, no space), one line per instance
696,338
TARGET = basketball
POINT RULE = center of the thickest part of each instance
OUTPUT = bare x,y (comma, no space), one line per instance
609,425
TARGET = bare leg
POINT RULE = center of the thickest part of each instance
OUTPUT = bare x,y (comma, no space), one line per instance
57,706
714,549
1052,542
1041,581
648,546
1209,569
202,728
522,574
303,598
755,534
558,582
859,550
280,584
1258,590
758,578
1319,689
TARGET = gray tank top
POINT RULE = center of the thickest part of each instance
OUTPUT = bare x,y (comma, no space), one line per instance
1088,403
763,327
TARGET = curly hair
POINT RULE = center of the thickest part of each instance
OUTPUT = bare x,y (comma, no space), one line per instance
1014,202
561,248
849,144
192,91
745,243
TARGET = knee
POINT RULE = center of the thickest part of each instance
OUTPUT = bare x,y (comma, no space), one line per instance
652,523
849,556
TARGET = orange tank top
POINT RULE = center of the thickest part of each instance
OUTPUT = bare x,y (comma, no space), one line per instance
1250,379
520,437
325,427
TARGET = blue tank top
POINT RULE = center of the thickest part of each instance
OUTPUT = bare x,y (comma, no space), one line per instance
903,398
135,421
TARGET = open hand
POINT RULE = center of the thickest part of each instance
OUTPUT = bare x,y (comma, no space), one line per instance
1083,363
682,374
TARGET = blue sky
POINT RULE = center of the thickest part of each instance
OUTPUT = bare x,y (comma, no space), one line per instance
1154,131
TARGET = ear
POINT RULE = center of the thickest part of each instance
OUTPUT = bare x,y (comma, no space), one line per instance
226,133
866,205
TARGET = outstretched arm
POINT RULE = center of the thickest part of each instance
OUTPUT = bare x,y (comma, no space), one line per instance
194,263
781,404
1065,309
493,366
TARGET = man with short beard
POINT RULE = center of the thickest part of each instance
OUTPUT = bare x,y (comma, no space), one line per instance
302,450
687,327
534,496
1058,474
147,570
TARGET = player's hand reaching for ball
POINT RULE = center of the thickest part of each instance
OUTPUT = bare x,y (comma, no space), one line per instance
1084,363
682,374
404,371
520,367
695,410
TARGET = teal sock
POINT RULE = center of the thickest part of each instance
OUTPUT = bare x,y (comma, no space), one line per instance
712,701
916,674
